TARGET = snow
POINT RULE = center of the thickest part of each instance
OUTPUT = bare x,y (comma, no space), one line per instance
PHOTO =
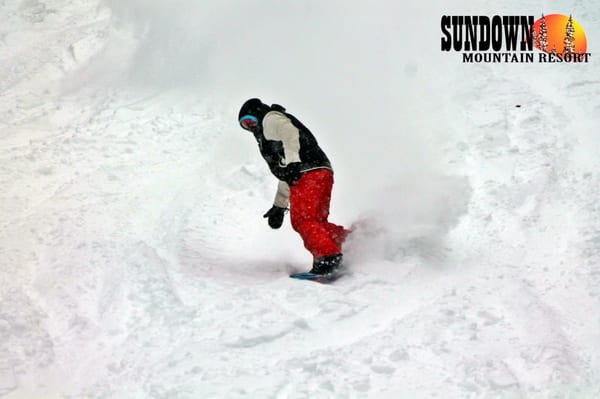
134,259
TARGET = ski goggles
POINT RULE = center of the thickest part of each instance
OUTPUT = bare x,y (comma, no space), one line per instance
248,122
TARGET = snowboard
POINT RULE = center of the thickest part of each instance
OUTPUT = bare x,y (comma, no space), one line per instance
319,278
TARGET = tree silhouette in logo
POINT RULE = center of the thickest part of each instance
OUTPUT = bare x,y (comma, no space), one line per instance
569,41
541,39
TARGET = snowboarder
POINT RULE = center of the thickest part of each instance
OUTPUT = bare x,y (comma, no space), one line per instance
305,181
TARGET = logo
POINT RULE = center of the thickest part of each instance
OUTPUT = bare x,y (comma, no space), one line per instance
515,39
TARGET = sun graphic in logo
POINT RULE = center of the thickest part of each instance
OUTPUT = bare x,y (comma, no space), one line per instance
557,33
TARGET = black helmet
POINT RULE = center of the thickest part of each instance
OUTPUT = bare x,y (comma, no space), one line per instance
254,107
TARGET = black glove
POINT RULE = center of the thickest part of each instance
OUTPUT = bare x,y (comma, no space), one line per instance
290,173
275,215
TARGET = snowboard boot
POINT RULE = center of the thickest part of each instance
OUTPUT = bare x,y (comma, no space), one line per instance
327,264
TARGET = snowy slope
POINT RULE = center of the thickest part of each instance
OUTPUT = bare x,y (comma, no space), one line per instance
134,261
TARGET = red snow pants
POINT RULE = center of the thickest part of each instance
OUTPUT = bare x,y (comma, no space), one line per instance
309,209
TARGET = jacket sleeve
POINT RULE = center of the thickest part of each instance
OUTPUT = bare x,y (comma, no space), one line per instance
278,127
282,197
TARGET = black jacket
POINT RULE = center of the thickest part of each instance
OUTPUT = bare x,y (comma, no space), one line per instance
285,144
